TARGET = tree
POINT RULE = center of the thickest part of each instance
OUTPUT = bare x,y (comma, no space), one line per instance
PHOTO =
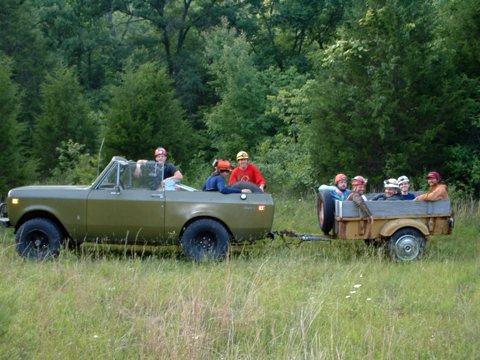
10,160
144,114
237,121
387,96
64,115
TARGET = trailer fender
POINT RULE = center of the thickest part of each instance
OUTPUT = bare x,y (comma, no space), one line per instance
391,227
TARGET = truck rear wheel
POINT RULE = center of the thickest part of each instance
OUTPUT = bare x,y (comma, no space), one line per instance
325,211
406,244
205,239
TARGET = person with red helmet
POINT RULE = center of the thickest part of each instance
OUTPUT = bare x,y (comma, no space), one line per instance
216,181
246,171
340,191
163,171
437,190
359,185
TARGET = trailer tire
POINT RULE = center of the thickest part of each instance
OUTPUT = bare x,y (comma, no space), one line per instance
325,211
407,244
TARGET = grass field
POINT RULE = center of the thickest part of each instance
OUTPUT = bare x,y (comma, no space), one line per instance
275,300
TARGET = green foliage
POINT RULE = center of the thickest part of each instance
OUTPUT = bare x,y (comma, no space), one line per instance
9,128
144,114
373,111
64,115
22,41
75,166
237,121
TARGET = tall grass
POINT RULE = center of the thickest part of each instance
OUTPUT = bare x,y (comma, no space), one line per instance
277,300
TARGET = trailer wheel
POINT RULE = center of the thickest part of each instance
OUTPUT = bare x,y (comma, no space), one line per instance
325,211
406,244
205,239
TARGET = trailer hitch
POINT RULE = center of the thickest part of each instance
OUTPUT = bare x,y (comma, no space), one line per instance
302,237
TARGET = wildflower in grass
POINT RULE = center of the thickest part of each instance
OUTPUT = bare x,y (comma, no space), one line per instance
356,286
352,292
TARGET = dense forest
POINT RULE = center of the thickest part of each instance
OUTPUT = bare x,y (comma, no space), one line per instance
381,88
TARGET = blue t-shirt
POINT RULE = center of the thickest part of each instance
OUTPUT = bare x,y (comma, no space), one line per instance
217,183
409,196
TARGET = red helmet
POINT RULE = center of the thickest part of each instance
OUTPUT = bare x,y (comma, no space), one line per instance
160,151
224,165
340,177
359,180
433,175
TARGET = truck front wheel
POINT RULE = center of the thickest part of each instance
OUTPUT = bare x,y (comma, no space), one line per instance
39,239
406,244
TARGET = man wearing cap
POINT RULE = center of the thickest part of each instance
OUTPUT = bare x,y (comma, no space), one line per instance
216,182
164,171
359,185
245,171
437,191
340,191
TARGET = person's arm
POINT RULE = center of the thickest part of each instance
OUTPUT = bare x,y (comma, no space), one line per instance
259,179
358,200
439,193
224,189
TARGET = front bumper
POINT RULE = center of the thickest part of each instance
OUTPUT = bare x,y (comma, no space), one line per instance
4,222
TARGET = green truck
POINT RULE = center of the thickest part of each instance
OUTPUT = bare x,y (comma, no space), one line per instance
120,207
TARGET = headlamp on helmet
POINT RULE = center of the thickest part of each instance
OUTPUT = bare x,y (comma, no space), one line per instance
242,155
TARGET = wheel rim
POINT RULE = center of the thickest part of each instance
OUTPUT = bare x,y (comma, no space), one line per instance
206,241
407,248
37,242
320,214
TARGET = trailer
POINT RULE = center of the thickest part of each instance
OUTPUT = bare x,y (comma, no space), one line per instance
403,227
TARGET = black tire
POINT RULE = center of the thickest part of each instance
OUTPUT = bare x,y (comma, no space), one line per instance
39,239
247,185
205,239
406,244
325,211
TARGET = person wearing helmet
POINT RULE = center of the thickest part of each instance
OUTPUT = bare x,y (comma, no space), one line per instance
437,191
404,185
163,171
246,171
216,181
340,191
390,187
359,185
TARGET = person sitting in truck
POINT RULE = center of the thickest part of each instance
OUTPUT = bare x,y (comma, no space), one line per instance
359,185
390,187
216,182
404,185
437,190
246,171
163,171
340,191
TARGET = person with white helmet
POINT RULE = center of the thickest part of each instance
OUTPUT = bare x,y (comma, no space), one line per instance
166,171
340,191
216,181
390,191
404,185
246,171
359,185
